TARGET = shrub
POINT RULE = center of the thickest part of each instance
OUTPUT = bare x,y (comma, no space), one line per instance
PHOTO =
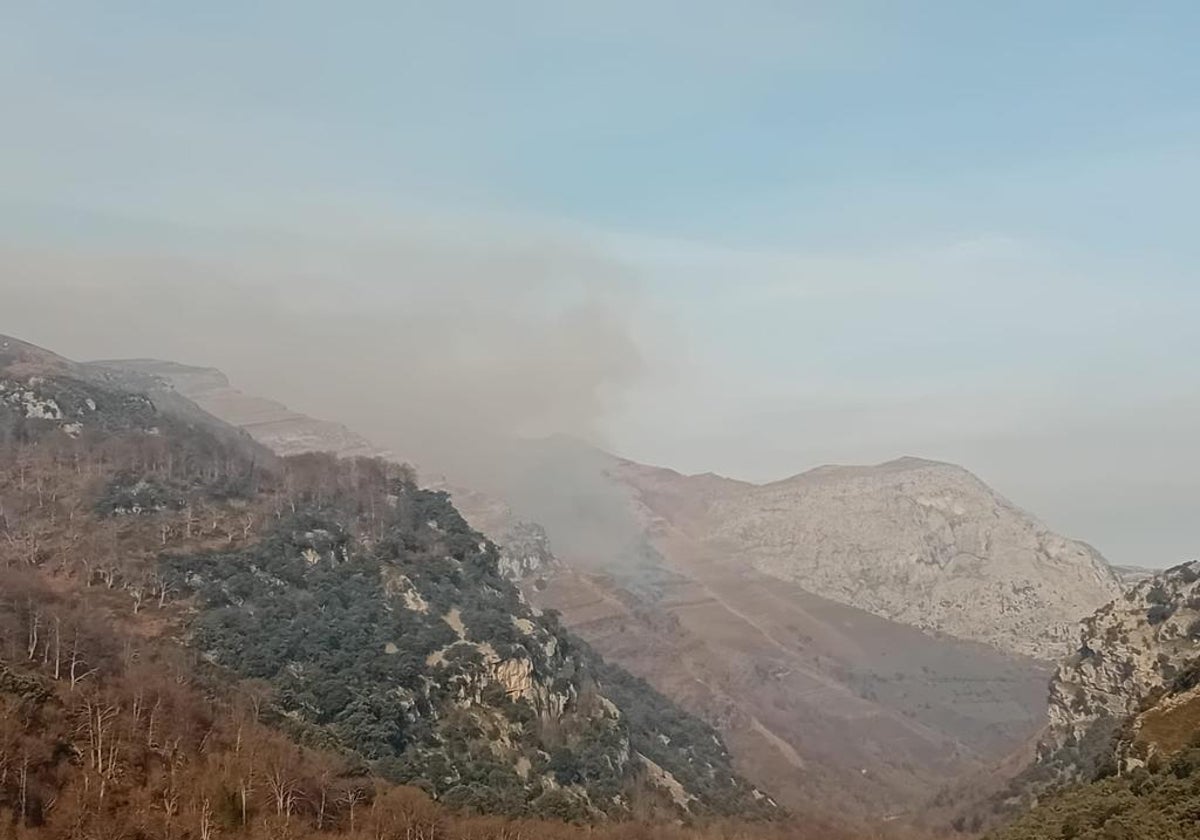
1159,613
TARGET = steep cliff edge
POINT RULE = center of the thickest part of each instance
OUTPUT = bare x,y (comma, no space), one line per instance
1135,672
1121,755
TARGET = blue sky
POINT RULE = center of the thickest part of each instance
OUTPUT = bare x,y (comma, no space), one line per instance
833,231
785,123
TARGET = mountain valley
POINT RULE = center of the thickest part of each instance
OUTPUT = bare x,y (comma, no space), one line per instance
868,648
176,595
859,701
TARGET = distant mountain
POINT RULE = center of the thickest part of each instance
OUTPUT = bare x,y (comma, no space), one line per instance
920,542
284,431
1131,575
729,608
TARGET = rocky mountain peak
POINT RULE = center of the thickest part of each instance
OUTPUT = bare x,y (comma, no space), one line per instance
917,541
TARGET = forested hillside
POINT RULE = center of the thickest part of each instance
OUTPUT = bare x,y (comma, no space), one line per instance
108,733
382,623
1160,801
198,638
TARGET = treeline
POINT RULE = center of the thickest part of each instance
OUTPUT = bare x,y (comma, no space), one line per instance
348,607
1160,801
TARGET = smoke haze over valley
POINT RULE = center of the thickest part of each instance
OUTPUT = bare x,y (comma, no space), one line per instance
654,254
443,352
542,421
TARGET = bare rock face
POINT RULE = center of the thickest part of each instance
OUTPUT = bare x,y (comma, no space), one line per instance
919,542
524,547
1133,575
1134,652
525,551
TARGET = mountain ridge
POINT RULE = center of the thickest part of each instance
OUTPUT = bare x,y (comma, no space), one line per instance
378,621
690,594
275,425
922,542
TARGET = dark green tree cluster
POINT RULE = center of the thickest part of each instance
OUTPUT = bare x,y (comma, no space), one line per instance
317,609
679,742
1157,802
370,620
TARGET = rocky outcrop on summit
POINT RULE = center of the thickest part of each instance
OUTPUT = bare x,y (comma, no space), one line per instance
915,541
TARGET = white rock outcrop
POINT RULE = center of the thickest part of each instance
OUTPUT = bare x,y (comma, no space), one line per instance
1129,650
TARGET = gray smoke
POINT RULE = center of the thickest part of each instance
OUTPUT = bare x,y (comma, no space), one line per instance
487,360
421,344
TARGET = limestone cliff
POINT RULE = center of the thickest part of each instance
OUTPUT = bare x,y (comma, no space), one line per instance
1135,667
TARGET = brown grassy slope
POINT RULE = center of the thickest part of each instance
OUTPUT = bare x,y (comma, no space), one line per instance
1172,726
823,705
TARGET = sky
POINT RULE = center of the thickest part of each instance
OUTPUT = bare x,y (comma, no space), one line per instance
749,238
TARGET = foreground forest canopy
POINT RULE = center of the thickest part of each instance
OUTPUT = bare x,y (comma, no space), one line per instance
104,734
197,638
1157,802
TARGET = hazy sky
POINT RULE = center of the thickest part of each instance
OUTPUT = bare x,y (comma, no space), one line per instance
745,237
